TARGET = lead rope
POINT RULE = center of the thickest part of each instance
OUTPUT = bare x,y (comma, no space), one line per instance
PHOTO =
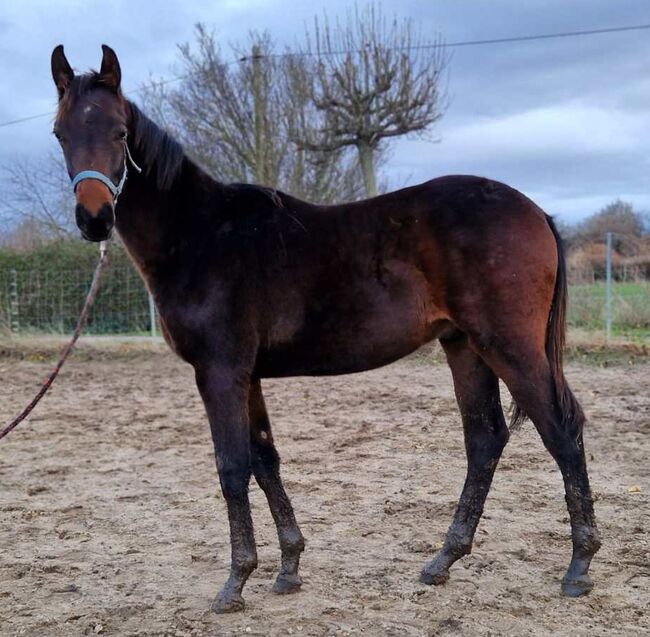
68,348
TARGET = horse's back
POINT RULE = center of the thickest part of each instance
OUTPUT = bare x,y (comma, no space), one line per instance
373,280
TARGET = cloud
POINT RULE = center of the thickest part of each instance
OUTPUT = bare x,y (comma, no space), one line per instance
563,120
572,158
553,131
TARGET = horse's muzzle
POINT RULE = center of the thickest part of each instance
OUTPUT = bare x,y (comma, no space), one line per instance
98,226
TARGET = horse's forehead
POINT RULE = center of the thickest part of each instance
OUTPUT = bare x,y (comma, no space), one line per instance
95,106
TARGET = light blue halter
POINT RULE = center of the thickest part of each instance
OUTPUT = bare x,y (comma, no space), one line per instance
94,174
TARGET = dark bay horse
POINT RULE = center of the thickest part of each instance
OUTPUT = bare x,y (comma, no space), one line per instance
252,283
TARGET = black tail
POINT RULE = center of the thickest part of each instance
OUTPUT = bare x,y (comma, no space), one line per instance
570,410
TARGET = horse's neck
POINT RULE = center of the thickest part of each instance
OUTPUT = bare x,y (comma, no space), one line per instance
156,203
148,219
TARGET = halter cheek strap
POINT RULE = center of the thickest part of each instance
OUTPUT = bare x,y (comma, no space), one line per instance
94,174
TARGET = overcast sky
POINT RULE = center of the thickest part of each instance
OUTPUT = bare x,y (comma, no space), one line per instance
565,121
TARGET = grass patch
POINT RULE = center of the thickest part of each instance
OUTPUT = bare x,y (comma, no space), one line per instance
591,346
586,346
47,349
582,345
630,308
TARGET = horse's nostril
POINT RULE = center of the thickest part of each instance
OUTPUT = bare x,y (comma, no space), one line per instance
106,215
95,227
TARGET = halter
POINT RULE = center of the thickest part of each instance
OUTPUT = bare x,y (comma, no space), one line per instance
94,174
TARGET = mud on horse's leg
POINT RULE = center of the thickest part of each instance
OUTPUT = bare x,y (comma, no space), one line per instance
266,468
486,434
225,394
559,419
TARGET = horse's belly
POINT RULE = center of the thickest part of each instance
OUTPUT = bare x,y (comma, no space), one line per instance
360,332
333,357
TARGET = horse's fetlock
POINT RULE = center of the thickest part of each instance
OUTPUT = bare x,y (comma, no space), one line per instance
459,550
590,542
293,542
245,564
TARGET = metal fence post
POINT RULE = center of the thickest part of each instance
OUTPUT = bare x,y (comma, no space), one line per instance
13,302
608,289
152,315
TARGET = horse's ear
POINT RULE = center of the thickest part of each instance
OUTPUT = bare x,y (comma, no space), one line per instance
62,72
110,72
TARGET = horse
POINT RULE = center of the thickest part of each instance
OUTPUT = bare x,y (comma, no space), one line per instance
252,283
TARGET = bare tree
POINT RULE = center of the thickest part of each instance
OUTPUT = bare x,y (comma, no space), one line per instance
370,80
236,118
618,216
37,198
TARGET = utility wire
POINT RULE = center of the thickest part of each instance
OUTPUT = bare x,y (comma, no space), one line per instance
444,45
436,45
543,36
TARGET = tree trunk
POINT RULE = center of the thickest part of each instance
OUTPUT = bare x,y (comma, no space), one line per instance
298,174
260,160
366,161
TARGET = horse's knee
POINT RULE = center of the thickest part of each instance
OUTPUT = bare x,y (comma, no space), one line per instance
234,479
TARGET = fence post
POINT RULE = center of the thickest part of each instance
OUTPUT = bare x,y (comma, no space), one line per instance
608,289
152,315
13,302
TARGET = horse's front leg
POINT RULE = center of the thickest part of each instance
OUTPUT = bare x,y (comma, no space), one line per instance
225,394
266,468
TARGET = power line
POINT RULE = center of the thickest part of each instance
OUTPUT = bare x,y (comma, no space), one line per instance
20,120
436,45
543,36
444,45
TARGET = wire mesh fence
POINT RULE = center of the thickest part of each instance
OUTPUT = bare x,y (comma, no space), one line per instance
630,306
50,301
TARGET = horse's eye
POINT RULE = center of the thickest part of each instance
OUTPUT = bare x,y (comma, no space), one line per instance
121,136
57,135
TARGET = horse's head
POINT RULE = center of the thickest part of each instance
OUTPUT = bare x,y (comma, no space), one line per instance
91,126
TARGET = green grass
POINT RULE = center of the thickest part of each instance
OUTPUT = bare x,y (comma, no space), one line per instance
626,289
630,308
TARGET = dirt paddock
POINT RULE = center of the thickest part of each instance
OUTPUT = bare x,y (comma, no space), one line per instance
111,522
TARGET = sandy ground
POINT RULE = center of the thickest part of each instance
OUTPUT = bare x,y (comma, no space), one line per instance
111,522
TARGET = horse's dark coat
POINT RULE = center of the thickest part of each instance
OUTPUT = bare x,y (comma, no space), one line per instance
252,283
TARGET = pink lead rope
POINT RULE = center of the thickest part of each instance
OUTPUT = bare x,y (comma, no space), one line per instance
68,348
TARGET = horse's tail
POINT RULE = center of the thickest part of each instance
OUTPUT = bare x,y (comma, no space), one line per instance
571,414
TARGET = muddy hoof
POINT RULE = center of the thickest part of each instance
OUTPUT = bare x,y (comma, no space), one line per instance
577,587
227,603
434,577
286,584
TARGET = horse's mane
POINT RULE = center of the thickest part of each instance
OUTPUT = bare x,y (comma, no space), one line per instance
157,150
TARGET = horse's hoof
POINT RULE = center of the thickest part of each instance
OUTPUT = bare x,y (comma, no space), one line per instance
287,584
434,577
227,603
577,587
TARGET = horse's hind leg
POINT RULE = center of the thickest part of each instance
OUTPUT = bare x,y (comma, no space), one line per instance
559,420
486,434
266,469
